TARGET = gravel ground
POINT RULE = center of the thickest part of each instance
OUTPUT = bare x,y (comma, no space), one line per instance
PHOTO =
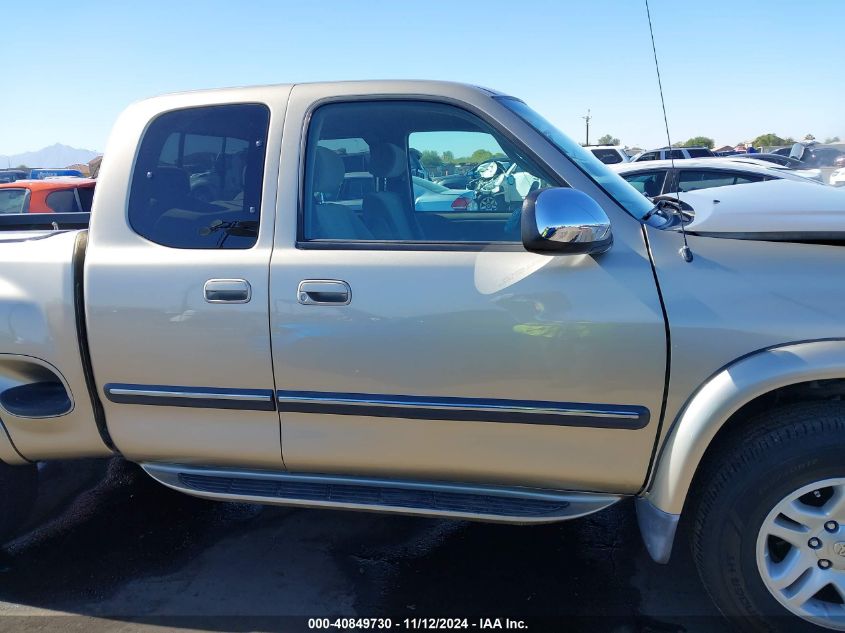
109,549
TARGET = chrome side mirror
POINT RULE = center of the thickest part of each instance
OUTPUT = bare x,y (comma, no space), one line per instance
565,221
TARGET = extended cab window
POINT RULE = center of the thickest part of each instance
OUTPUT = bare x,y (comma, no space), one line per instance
198,178
370,170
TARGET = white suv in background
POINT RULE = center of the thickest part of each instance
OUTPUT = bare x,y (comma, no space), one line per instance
677,153
609,154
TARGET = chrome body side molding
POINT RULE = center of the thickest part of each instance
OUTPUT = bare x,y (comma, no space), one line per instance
201,397
386,405
465,409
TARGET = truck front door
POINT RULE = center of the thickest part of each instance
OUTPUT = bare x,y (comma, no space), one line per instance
413,335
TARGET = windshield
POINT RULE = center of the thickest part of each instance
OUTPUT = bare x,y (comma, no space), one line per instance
612,184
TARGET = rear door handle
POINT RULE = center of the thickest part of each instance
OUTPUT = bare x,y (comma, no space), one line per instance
227,291
322,292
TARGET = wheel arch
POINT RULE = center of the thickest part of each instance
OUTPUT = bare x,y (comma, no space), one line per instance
802,370
727,397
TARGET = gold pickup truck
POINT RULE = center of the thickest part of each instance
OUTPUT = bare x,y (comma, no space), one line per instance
242,330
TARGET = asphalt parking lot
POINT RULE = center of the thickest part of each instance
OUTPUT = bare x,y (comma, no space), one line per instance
111,545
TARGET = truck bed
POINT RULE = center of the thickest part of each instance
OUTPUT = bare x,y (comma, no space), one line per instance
42,379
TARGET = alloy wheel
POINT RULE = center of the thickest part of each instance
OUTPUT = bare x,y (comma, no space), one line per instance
801,553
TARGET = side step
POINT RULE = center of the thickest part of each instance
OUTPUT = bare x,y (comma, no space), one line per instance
463,501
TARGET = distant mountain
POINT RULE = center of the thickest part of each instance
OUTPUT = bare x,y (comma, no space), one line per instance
57,155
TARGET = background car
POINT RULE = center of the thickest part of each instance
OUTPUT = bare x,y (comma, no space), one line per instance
430,196
502,185
812,155
609,154
771,157
42,173
11,175
791,207
793,166
837,178
677,153
69,195
661,178
454,181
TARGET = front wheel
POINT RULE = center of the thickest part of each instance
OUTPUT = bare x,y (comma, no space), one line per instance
769,526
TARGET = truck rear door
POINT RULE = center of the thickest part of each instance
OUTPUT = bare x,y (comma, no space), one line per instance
176,280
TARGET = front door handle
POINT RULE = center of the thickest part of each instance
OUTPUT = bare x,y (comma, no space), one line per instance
323,292
227,291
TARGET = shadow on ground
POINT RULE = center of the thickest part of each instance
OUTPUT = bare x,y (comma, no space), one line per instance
110,544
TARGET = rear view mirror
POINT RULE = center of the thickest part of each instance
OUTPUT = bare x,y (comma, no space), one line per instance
564,221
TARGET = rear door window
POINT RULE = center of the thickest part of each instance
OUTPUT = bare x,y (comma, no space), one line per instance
648,183
692,179
63,201
198,178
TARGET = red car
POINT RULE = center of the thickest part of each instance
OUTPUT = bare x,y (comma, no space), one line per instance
60,195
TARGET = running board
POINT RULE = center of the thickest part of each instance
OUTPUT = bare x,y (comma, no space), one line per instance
459,501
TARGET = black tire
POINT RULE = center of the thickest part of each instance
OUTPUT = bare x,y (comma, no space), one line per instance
18,488
751,471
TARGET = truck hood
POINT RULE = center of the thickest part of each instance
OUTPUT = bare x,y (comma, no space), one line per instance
773,209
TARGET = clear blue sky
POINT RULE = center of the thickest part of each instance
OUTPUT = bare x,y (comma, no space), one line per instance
732,69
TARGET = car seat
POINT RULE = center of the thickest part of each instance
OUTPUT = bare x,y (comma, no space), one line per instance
385,213
330,220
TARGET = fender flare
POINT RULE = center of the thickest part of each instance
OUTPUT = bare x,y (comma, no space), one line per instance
706,412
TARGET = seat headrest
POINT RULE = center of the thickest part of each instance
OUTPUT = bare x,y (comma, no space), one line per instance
387,161
169,183
328,171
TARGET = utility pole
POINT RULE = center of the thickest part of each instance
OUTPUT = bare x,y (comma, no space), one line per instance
587,119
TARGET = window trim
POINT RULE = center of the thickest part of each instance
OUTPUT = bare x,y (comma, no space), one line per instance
377,245
406,245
